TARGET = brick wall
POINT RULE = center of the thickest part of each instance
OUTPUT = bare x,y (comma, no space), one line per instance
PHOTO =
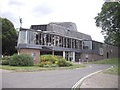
91,57
31,52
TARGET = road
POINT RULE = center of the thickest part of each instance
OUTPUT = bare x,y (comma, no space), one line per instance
48,79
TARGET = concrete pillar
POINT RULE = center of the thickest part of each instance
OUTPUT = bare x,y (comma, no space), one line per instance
66,43
64,54
45,40
41,38
52,52
73,57
26,37
58,40
54,40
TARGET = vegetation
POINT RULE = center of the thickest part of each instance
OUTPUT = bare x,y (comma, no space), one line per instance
115,70
5,60
63,63
21,60
108,19
115,62
9,37
53,60
37,68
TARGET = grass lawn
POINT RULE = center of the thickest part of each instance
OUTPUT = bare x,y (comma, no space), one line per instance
115,62
37,68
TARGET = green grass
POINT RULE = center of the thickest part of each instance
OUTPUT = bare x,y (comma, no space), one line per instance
114,70
115,62
37,68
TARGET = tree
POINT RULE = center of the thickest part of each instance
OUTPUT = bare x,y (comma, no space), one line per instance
109,20
9,37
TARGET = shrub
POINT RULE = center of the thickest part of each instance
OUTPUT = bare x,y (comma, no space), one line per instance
68,63
21,60
61,62
5,62
54,65
45,63
44,58
6,58
53,61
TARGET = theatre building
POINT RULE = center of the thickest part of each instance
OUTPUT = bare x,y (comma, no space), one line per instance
62,38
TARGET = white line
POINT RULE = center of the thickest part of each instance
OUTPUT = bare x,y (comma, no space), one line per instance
81,80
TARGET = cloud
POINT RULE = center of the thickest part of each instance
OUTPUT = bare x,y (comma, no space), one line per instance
15,2
42,10
10,16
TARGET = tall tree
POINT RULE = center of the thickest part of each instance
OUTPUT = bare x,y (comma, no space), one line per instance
9,37
109,20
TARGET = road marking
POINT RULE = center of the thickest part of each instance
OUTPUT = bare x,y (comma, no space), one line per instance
81,80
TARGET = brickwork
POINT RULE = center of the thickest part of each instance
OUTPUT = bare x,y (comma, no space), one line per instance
31,52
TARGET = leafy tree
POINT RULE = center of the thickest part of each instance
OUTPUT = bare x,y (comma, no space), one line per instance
109,20
9,37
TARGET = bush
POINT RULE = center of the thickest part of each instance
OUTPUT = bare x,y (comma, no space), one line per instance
68,63
45,58
21,60
46,66
54,65
53,61
61,62
5,62
45,63
6,58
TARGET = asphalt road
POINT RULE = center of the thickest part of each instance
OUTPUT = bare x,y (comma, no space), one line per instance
48,79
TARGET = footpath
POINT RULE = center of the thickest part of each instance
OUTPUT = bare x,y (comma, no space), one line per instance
101,80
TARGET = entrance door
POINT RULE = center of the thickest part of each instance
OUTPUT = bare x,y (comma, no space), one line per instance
69,56
107,55
77,57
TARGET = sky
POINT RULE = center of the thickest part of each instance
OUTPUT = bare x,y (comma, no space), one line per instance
35,12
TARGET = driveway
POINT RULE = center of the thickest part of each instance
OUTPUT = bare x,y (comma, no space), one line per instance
48,79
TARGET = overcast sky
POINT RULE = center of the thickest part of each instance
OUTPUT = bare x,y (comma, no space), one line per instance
81,12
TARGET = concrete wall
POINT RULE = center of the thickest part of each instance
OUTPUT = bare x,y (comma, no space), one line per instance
30,52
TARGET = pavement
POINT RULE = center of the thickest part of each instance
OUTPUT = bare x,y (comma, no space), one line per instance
100,80
48,79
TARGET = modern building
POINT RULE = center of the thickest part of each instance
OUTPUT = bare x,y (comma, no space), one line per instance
62,38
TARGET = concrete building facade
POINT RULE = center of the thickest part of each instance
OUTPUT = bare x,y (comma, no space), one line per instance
62,38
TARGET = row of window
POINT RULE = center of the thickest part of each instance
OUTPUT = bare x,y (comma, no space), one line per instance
46,39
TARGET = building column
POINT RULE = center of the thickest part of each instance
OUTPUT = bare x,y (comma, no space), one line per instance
64,54
71,43
52,52
73,57
26,37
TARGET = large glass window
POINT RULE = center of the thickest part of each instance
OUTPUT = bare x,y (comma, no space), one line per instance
32,37
22,37
97,46
87,44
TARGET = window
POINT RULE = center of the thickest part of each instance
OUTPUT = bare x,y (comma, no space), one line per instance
87,44
101,51
22,37
33,55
